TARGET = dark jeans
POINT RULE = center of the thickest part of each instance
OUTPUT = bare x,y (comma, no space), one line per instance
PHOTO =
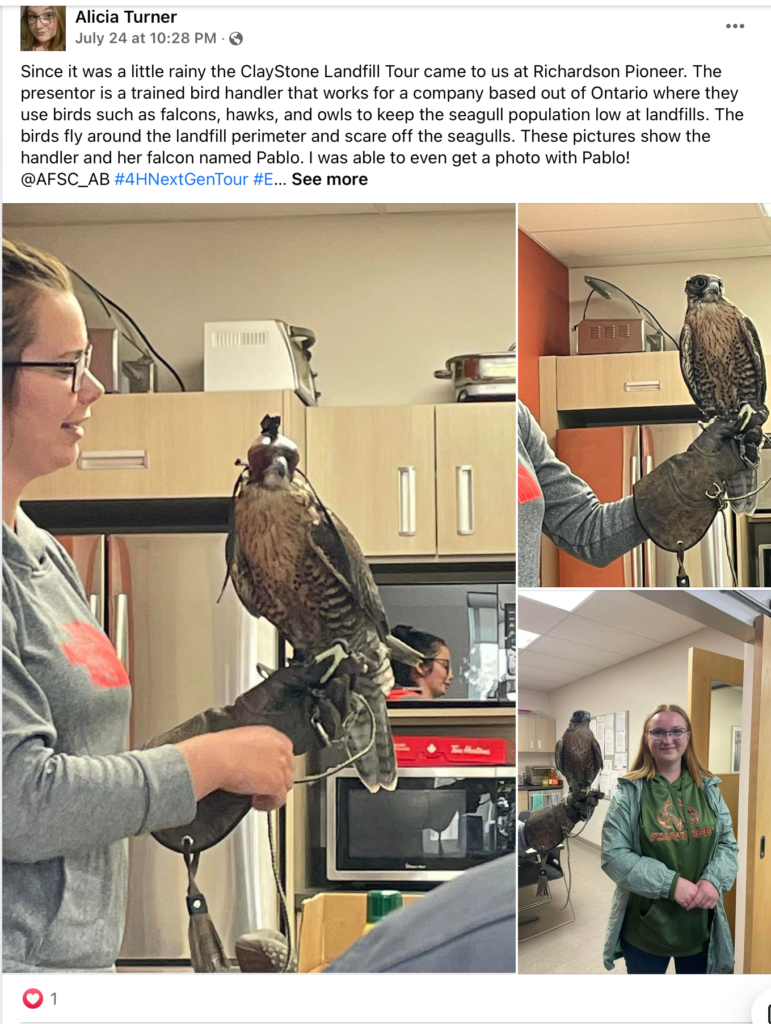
640,962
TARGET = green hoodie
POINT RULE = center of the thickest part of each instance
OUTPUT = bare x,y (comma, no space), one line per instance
677,828
623,861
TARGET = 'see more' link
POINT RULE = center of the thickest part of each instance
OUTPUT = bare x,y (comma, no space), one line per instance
47,179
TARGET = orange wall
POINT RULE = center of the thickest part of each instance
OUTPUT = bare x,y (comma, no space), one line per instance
544,327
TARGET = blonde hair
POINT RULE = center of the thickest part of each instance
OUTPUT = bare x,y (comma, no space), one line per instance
644,766
27,274
59,41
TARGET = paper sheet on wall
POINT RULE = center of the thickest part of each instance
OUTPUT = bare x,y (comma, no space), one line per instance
607,766
593,727
620,760
601,732
609,740
621,721
620,741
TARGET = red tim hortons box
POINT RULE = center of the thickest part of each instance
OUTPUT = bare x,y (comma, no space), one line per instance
435,751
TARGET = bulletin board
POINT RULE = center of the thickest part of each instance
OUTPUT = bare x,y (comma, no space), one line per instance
611,732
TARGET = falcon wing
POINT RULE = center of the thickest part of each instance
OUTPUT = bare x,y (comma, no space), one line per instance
240,572
559,757
596,757
686,365
752,341
339,550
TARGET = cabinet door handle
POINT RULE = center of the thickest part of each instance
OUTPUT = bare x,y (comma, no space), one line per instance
539,744
642,385
464,486
532,745
121,639
113,460
407,501
95,604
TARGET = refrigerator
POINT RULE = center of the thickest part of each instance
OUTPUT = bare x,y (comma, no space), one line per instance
611,460
156,596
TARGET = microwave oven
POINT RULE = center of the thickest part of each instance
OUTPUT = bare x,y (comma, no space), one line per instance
437,823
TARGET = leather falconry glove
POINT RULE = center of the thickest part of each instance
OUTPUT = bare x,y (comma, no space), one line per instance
546,828
549,826
677,502
308,703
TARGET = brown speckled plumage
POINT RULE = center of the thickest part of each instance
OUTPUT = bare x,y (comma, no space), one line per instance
577,755
722,362
296,564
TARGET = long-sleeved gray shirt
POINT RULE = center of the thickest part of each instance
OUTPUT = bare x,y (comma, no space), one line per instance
71,796
553,500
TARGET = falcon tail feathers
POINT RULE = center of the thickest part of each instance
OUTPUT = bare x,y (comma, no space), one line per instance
743,483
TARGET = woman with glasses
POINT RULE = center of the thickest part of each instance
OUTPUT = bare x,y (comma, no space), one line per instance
45,28
71,792
668,844
432,677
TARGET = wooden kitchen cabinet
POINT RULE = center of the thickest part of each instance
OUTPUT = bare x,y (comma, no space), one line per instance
181,445
536,735
475,480
621,380
375,467
545,735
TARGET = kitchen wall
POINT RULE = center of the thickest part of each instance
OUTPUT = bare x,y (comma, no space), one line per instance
543,328
661,287
390,296
636,686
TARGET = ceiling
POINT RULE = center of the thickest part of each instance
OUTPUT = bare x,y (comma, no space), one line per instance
70,214
622,234
608,628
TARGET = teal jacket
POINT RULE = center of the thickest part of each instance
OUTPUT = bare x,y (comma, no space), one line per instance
623,861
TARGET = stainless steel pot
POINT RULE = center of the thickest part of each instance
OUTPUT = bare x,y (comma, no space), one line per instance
482,377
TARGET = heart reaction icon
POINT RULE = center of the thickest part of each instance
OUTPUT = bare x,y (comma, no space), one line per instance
32,998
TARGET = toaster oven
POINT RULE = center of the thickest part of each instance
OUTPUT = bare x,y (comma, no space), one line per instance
259,355
535,776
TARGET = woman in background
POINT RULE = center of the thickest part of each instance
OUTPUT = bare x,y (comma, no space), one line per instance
432,677
668,844
46,28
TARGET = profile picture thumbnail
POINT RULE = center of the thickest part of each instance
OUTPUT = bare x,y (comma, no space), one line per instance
43,28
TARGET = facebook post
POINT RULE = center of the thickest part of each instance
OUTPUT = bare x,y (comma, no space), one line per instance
304,672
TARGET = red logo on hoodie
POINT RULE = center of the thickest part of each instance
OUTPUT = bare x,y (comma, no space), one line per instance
92,649
528,488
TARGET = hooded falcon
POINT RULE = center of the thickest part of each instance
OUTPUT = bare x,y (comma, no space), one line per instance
723,367
577,755
293,561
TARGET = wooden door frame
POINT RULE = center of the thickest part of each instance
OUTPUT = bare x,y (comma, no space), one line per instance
757,935
703,667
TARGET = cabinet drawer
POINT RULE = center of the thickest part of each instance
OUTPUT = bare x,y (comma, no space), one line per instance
167,445
620,381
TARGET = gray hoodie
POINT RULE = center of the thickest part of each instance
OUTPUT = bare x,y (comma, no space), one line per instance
71,796
554,500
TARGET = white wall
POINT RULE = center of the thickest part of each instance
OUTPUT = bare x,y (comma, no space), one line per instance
390,296
636,686
661,287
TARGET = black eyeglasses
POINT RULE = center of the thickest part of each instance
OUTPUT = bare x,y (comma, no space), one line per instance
44,19
660,734
441,661
78,368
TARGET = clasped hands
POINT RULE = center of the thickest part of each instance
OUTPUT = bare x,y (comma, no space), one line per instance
701,895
